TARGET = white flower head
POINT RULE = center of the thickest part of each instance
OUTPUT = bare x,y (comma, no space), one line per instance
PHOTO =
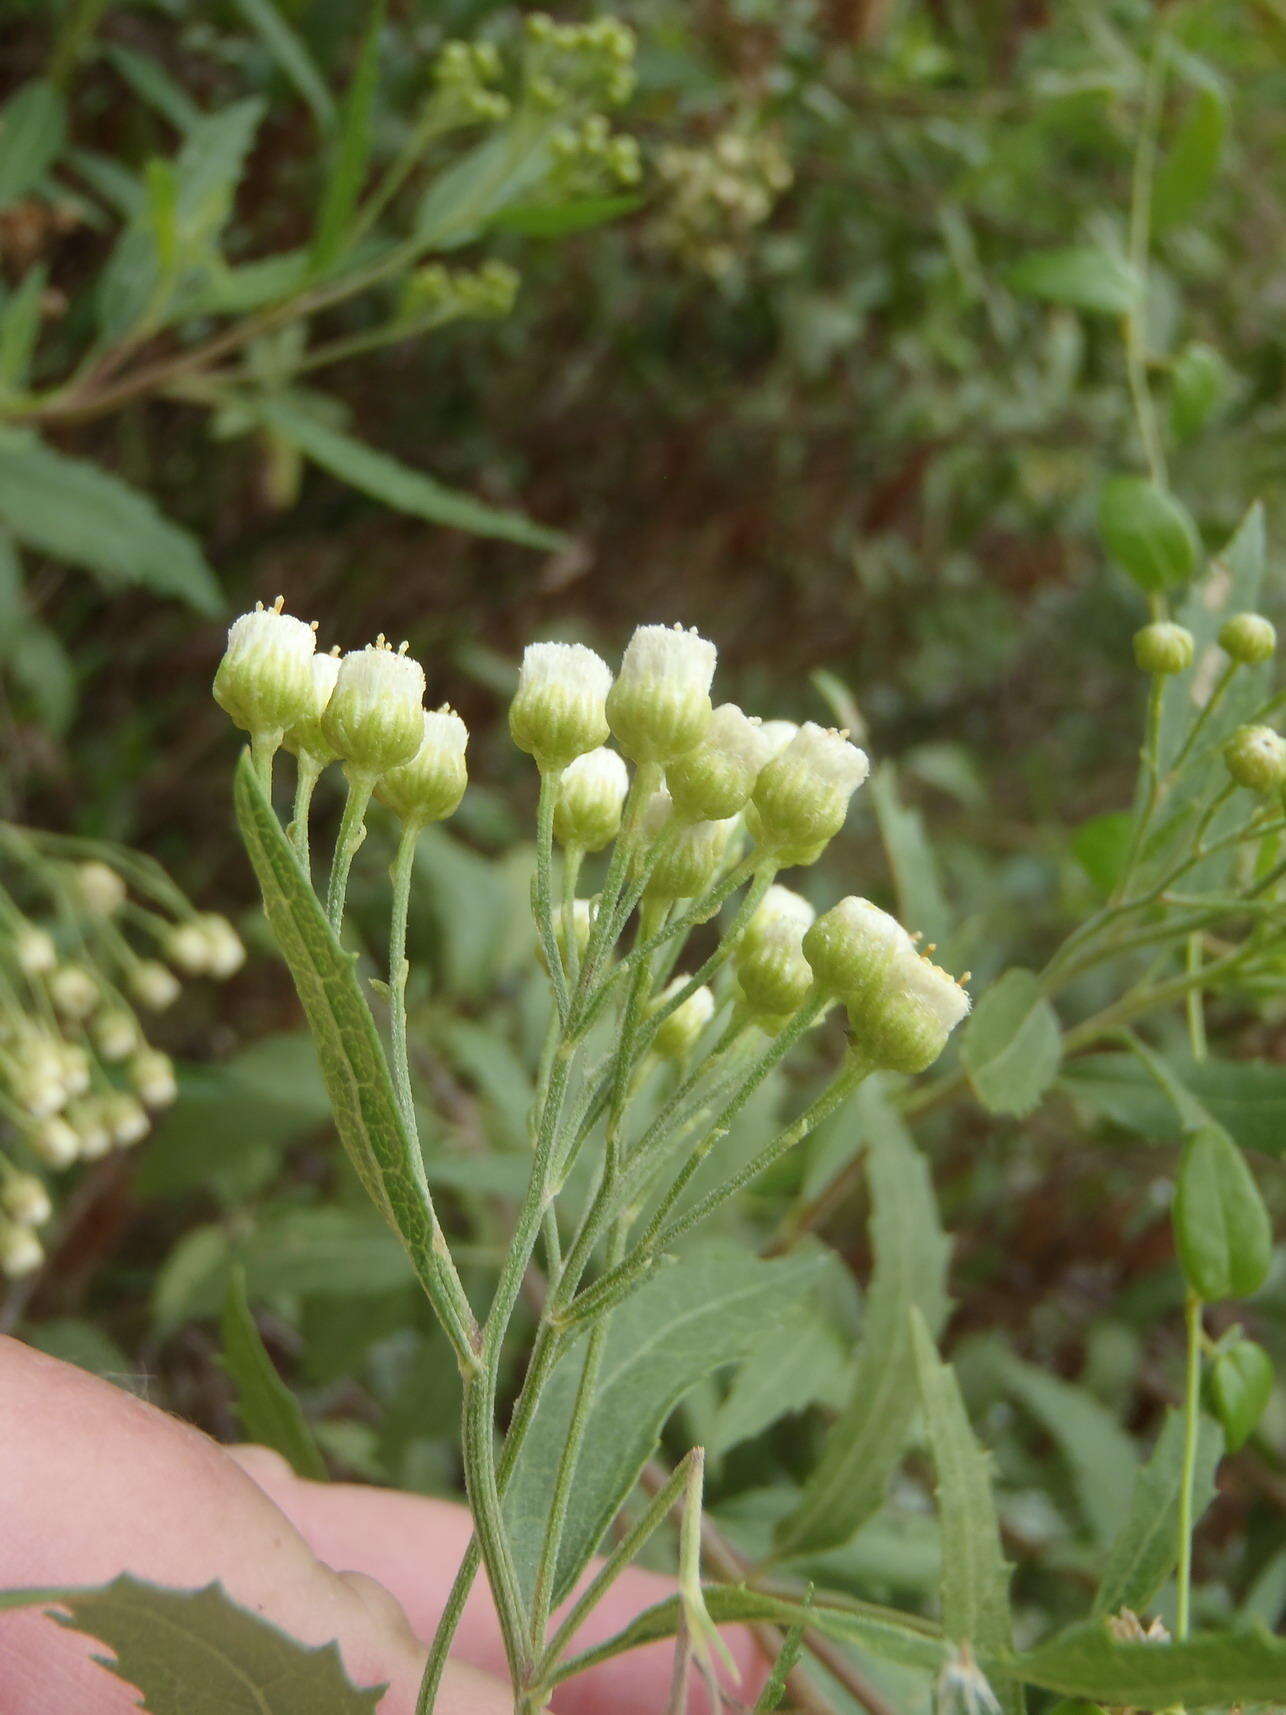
25,1200
264,681
101,890
903,1023
591,796
430,786
188,947
225,952
693,851
115,1033
774,976
153,985
152,1075
125,1118
93,1137
677,1035
936,990
21,1253
54,1141
306,737
34,951
73,990
715,778
778,904
659,706
801,797
776,735
853,946
559,709
374,719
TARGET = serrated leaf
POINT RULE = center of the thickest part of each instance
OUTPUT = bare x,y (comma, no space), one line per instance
270,1413
866,1440
78,513
1012,1045
1223,1669
1143,1555
1190,164
196,1652
396,484
975,1574
688,1321
33,126
1079,275
1147,532
921,905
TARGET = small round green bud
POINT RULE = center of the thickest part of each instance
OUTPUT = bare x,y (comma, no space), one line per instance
430,786
904,1023
678,1034
24,1199
693,851
1256,758
591,796
306,737
1163,648
115,1033
34,950
801,797
374,720
73,991
714,779
153,985
151,1074
101,890
558,711
54,1142
779,904
851,948
263,681
773,974
659,706
21,1253
1248,638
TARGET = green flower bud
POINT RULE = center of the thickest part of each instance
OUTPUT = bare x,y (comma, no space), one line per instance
801,797
678,1034
374,720
852,948
23,1199
1163,648
693,851
21,1253
54,1142
264,680
224,952
73,991
34,950
306,737
772,973
1240,1386
115,1033
153,985
1256,758
659,706
430,786
779,904
151,1074
1248,638
904,1023
188,947
591,796
714,779
101,890
558,711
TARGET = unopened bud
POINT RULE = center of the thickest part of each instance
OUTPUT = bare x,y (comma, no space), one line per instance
778,905
558,711
692,854
677,1035
775,736
714,779
801,797
225,951
34,950
101,890
1248,638
152,1075
73,991
21,1252
430,786
374,720
74,1067
1163,647
659,706
307,737
1256,758
904,1023
23,1199
54,1141
125,1118
187,946
115,1033
153,985
89,1123
591,795
852,946
264,679
773,974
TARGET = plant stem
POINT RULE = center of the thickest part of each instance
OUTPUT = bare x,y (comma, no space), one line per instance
542,897
1136,333
307,773
1191,1407
352,831
398,970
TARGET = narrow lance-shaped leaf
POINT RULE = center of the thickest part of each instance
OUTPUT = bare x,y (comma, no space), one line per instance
352,150
270,1413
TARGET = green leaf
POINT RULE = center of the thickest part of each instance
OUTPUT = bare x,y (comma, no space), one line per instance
1143,1555
866,1441
270,1413
353,1065
1190,165
78,513
1221,1227
1147,532
150,81
395,484
692,1318
1101,846
975,1574
20,328
921,905
1241,1384
1247,1098
555,219
347,169
33,126
791,1366
1219,1669
1080,275
1200,383
465,200
292,56
195,1652
1011,1046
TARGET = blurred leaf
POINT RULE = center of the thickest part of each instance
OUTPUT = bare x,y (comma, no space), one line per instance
1011,1046
975,1573
1079,275
1190,165
921,905
81,1343
20,328
395,484
554,219
291,55
39,664
1247,1098
270,1413
33,126
1101,847
794,1364
1147,532
1214,1669
1222,1230
1143,1555
495,176
1241,1384
1200,383
78,513
149,80
690,1319
866,1440
195,1652
347,170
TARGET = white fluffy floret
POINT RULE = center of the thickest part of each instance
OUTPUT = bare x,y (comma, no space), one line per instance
668,654
559,708
935,989
830,755
34,950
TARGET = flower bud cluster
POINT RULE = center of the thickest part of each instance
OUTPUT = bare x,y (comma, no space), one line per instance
464,75
714,197
436,294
